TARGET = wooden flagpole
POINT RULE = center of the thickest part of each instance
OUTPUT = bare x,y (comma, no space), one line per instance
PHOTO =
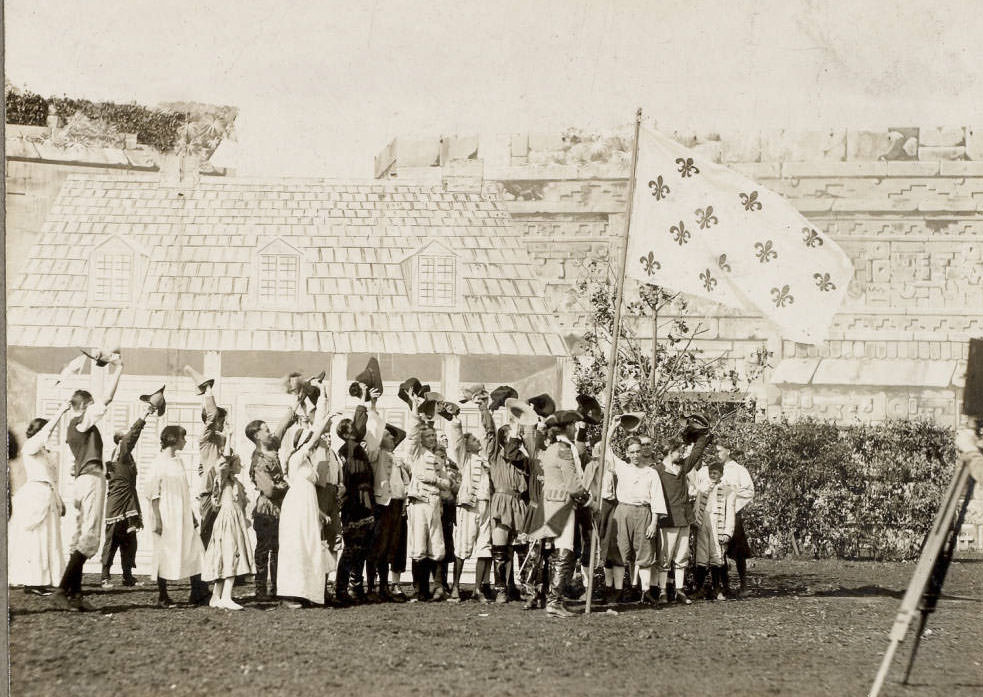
616,334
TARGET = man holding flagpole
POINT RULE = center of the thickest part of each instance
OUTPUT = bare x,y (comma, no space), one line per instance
700,228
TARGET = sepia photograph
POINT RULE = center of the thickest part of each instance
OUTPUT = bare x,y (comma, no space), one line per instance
568,348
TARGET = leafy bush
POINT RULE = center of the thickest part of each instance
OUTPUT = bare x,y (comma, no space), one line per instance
862,490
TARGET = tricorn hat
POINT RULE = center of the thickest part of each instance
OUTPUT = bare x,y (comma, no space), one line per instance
371,378
408,387
156,400
499,395
564,417
427,408
590,410
522,411
101,356
543,404
469,392
631,420
398,434
448,409
692,426
199,379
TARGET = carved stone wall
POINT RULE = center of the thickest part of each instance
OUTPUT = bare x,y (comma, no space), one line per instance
905,203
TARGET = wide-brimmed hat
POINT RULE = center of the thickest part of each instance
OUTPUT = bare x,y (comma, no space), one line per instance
398,434
522,411
369,379
630,420
590,410
564,417
102,356
469,392
499,395
543,404
156,400
201,382
409,386
448,409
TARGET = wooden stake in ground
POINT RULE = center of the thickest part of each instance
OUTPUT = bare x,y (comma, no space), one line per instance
616,334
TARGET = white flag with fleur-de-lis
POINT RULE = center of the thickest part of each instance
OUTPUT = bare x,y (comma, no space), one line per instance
701,228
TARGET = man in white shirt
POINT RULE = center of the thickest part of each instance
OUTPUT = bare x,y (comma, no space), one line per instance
85,441
641,504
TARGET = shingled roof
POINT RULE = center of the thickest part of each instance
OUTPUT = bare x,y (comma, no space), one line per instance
200,246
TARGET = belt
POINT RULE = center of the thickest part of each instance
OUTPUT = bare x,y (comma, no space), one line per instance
507,493
635,505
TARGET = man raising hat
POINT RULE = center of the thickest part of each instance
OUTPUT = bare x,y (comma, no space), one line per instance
85,442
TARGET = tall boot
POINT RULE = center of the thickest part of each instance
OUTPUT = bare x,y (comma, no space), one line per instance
481,572
700,577
500,562
260,579
562,570
716,587
272,567
540,580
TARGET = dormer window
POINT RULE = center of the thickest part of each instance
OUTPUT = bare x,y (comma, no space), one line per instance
277,275
436,280
113,267
433,276
111,278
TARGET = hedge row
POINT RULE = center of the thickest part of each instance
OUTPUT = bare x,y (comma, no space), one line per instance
154,127
856,491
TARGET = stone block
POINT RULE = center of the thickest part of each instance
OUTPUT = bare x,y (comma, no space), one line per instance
912,168
740,147
893,144
941,136
547,142
962,168
417,152
942,153
803,146
974,142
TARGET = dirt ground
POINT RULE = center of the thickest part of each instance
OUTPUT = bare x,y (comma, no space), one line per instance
810,628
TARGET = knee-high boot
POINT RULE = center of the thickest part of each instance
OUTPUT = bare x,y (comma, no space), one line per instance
562,571
500,562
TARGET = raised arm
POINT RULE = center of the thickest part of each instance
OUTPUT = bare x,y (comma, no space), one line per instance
695,453
129,441
455,441
488,425
40,439
211,414
281,428
111,392
374,428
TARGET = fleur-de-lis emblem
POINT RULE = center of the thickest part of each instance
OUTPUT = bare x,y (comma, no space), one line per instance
679,233
750,201
709,282
649,264
659,188
722,263
782,297
811,237
823,282
705,217
686,166
765,252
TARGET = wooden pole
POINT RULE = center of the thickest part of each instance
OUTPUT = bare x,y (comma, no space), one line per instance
613,360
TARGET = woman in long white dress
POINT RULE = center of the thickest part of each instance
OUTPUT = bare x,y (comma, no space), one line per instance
36,559
300,569
178,552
